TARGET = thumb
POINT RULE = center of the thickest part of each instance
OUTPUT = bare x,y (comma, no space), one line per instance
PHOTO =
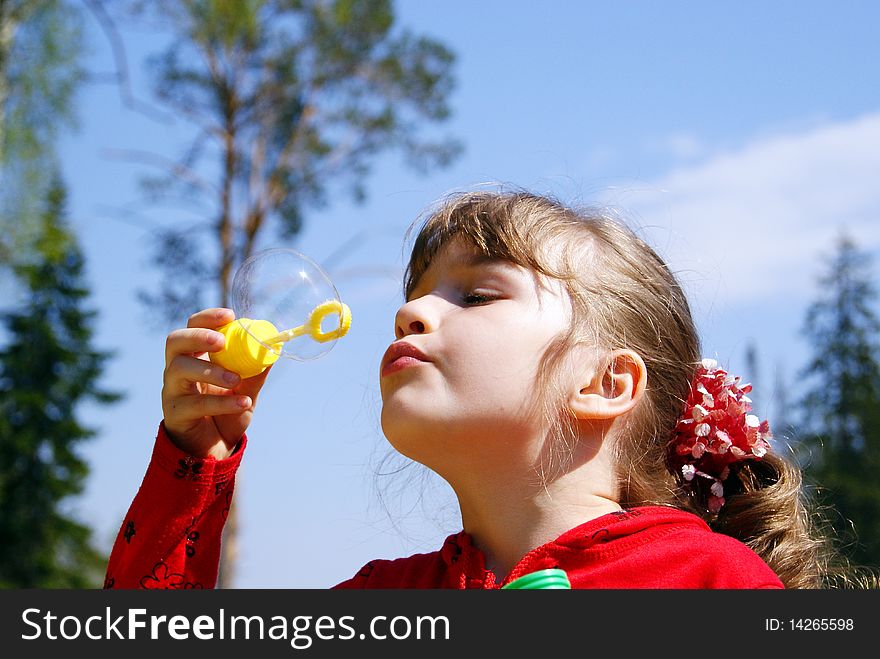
252,386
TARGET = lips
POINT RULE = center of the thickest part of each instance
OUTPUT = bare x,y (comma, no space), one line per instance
400,355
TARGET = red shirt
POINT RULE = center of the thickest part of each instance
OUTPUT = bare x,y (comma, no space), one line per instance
170,538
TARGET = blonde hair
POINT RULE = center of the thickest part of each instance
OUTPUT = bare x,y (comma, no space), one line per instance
625,296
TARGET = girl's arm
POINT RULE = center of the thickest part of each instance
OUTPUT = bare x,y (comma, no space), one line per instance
170,537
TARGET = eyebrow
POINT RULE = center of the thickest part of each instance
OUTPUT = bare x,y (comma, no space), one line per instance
475,259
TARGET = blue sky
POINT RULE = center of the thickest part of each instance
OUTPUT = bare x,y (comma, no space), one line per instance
739,138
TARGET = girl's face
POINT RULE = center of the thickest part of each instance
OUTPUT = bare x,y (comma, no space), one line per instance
460,380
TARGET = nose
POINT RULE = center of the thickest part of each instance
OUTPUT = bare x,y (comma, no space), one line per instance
412,318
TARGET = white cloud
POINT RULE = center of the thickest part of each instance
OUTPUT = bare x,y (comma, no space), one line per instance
679,146
749,225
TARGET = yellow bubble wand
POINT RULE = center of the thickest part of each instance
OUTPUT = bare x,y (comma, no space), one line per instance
254,345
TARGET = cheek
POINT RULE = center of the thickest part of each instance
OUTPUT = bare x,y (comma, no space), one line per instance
499,365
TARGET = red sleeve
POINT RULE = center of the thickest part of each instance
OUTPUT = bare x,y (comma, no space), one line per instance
170,537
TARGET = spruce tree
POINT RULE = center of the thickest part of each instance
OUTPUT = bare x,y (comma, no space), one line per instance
842,399
48,367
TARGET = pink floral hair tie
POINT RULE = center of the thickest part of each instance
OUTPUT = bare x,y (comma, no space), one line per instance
716,430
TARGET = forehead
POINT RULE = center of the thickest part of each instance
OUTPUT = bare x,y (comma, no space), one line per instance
458,252
458,255
543,262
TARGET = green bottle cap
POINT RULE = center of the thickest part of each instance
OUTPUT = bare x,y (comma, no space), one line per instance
542,579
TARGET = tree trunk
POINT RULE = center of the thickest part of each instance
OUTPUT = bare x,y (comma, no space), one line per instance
8,24
229,545
229,541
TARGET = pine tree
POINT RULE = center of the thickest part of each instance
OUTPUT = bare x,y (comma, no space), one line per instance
48,366
840,407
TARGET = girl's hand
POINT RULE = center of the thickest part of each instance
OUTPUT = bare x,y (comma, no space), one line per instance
207,408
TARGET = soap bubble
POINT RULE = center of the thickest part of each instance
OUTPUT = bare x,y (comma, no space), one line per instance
284,287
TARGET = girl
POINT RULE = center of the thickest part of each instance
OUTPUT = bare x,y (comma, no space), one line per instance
546,365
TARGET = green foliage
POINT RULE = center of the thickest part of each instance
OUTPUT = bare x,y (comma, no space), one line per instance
48,367
841,406
287,99
39,72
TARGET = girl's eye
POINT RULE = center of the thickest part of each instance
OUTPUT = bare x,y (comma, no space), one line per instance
476,299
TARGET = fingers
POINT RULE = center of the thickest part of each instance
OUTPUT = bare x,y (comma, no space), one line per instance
211,318
199,336
192,342
184,372
205,406
251,386
182,410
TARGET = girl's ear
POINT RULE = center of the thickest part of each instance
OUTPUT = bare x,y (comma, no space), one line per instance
611,389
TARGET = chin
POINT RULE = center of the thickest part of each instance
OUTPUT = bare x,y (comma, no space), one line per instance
408,435
403,436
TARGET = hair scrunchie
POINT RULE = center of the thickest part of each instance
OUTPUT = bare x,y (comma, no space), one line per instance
716,430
